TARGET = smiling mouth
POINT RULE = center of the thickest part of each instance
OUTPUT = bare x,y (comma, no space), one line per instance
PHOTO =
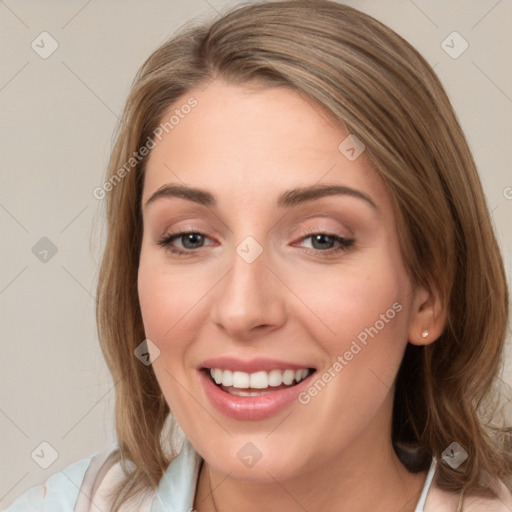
258,383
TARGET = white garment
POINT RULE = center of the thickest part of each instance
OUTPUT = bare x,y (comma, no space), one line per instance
71,489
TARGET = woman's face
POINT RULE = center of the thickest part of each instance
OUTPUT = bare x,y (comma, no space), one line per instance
278,278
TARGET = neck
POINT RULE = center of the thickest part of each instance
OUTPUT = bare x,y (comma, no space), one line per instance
366,476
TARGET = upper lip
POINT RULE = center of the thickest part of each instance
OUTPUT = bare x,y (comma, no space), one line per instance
251,365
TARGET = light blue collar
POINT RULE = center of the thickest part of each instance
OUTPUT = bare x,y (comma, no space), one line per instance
177,488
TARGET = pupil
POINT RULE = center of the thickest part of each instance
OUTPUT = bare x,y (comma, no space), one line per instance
192,238
322,239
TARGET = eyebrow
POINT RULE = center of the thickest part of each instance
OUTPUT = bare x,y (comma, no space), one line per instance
287,199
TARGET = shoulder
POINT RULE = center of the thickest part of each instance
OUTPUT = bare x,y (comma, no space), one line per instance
443,501
88,485
58,493
61,491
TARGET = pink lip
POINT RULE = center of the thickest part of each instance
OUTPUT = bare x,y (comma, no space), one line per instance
250,366
251,408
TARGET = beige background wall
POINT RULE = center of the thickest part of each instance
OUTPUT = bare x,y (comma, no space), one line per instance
58,115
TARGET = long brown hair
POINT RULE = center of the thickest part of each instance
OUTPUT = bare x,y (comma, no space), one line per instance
379,88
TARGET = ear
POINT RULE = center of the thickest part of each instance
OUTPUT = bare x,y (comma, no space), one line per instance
428,318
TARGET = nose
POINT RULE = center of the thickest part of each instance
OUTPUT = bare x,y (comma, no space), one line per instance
250,300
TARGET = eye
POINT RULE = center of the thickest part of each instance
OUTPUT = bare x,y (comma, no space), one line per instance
189,240
328,242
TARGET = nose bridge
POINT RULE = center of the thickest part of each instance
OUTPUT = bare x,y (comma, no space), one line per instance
248,298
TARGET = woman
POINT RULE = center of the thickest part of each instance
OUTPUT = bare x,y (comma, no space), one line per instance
301,276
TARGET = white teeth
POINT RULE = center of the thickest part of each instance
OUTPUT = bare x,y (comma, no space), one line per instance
301,374
275,378
227,377
257,380
217,375
288,377
240,380
239,392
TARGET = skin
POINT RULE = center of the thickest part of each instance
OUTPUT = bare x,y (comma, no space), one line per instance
295,302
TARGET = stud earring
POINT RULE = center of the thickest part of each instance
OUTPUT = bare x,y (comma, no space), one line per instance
424,334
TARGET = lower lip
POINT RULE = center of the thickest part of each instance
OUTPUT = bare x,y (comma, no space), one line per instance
251,408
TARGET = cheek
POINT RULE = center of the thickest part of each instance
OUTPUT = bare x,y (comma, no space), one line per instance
363,333
169,297
361,314
348,300
169,312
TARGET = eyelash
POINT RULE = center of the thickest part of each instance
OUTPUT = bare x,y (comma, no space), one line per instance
345,243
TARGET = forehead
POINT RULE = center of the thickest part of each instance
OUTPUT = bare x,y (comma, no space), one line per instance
255,143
